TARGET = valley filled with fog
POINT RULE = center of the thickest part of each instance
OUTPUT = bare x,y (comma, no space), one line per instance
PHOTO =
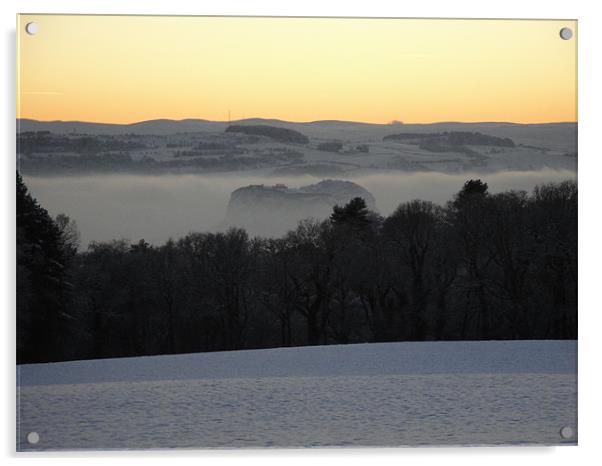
156,208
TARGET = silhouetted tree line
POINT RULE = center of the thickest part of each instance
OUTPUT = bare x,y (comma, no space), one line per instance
330,146
484,266
452,138
30,142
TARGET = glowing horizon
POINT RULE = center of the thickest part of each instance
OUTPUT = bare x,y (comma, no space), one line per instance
129,69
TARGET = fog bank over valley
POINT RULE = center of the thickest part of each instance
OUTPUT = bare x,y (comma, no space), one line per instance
156,208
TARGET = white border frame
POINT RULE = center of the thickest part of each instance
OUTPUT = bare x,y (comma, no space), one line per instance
590,169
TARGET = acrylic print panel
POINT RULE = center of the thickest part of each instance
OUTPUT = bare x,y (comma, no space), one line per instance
295,232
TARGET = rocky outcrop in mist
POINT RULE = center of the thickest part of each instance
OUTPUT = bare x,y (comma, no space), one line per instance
273,210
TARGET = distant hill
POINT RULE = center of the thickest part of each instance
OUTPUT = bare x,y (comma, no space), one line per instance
554,134
144,127
272,132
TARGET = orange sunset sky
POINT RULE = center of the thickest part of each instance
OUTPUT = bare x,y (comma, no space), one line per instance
123,69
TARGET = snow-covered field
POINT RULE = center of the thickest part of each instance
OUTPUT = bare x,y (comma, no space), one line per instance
389,394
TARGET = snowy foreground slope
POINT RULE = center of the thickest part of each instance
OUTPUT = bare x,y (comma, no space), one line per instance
550,357
441,393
